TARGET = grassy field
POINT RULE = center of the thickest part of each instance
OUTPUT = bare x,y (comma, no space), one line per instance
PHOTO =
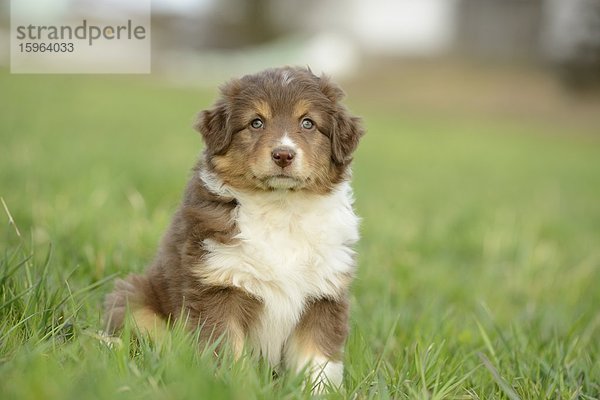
479,263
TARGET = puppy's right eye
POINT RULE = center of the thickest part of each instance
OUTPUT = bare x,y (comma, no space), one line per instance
256,123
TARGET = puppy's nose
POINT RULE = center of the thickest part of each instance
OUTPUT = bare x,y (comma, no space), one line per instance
283,156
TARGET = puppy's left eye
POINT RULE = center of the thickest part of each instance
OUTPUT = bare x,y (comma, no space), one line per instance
307,123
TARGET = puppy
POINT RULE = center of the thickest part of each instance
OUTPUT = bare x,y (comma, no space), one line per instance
259,253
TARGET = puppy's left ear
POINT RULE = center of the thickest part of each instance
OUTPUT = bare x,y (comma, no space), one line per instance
346,133
346,129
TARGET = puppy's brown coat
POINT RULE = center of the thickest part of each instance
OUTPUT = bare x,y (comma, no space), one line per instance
260,250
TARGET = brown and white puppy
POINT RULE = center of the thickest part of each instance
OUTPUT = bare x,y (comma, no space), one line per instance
260,250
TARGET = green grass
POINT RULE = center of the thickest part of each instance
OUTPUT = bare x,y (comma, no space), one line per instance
479,263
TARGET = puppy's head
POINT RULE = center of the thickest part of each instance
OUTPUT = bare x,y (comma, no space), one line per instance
280,129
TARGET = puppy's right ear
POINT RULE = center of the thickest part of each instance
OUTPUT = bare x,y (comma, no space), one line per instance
213,126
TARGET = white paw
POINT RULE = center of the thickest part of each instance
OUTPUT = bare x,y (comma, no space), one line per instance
325,373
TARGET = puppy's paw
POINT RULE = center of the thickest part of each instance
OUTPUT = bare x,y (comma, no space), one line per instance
326,374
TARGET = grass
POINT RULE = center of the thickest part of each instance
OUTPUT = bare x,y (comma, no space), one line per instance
479,263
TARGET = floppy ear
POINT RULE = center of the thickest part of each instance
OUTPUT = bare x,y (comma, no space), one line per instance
346,130
345,135
213,126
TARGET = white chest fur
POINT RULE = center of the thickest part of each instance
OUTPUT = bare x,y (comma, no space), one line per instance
291,247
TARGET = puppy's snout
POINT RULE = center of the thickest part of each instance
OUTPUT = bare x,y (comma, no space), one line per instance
283,156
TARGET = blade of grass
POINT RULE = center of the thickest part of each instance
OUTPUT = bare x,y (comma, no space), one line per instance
504,386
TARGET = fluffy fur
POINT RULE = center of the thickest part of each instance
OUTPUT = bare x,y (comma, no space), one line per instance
260,250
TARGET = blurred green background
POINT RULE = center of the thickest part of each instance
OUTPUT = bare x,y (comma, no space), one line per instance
478,183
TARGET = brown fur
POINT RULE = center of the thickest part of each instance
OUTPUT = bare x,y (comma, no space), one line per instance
236,154
323,328
233,146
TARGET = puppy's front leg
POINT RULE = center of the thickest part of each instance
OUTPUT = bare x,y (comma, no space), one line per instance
221,311
317,343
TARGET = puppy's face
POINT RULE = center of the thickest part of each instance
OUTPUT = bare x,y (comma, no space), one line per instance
281,129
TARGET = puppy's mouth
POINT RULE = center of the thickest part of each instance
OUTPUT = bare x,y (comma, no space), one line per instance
282,181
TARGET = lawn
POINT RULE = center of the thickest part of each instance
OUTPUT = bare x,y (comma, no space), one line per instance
479,263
